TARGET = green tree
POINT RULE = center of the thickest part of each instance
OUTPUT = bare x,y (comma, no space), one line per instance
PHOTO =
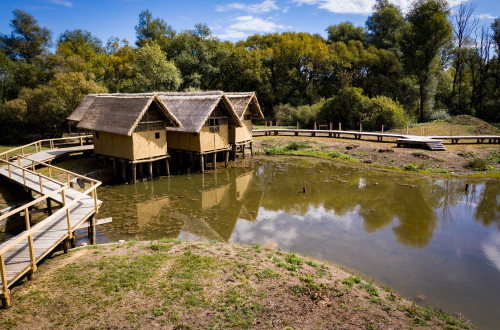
27,39
427,32
385,25
344,32
150,29
120,65
153,71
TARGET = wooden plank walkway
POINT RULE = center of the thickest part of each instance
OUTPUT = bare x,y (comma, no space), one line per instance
21,253
431,142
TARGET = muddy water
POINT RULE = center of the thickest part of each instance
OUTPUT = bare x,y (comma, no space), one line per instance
426,238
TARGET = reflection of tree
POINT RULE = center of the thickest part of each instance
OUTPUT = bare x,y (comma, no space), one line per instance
488,209
380,200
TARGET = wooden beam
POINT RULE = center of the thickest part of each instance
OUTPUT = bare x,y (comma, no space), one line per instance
214,161
202,163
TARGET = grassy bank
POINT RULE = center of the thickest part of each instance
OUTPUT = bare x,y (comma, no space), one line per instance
178,284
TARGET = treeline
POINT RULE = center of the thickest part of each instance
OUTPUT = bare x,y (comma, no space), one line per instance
427,64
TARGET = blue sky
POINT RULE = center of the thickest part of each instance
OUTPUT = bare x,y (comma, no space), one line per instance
229,20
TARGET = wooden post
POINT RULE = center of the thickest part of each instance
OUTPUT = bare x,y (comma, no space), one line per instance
270,123
134,173
331,129
167,167
41,185
191,161
140,170
315,126
202,163
91,230
234,151
243,151
297,125
81,141
115,170
49,205
124,171
360,127
24,177
406,130
157,167
227,158
150,170
382,129
340,126
30,243
214,160
251,148
6,291
94,197
68,219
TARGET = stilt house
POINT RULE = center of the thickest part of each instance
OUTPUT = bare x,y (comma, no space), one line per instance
126,127
205,118
247,108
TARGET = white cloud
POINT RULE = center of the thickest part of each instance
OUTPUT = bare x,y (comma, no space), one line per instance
485,16
232,34
358,6
64,3
251,23
491,249
263,7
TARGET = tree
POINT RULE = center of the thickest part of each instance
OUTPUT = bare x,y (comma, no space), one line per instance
27,39
344,32
427,32
153,71
120,65
385,25
79,37
151,29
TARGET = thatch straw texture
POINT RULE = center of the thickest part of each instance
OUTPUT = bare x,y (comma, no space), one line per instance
82,109
192,109
120,113
241,101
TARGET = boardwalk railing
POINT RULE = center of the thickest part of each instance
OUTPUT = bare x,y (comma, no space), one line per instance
59,225
37,146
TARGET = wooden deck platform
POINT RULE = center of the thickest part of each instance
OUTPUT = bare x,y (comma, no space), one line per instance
20,254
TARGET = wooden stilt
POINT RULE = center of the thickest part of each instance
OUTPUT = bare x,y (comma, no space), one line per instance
227,158
202,164
140,170
49,206
134,173
150,170
167,166
214,161
157,167
115,170
234,151
66,244
124,171
73,241
91,230
191,161
243,151
251,148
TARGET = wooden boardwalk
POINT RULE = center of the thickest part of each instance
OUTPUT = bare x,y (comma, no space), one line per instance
20,254
430,142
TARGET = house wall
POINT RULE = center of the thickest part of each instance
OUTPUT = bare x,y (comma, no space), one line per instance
146,145
183,141
138,146
240,134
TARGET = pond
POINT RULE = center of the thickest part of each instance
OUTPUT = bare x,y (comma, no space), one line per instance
434,241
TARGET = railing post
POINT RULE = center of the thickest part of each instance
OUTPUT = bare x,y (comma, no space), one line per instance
8,166
24,176
19,161
6,297
70,234
94,196
50,172
30,240
22,151
41,185
67,178
33,165
81,141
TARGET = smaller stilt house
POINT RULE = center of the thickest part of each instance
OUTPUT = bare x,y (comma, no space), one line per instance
205,118
247,108
129,128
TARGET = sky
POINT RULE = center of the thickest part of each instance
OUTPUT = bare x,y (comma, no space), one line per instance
228,20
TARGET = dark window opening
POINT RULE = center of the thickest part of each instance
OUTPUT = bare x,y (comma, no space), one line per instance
247,117
157,135
96,135
214,125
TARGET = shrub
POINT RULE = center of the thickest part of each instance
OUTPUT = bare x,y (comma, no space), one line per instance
348,107
478,164
384,111
439,114
296,145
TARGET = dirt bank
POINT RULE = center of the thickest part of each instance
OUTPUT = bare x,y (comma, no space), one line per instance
181,285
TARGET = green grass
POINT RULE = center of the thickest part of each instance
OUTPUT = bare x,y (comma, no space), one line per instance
479,164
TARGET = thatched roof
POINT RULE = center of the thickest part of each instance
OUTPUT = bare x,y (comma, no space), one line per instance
241,101
193,109
82,109
120,113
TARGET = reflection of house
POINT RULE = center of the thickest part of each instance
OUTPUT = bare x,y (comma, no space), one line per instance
205,118
127,127
247,107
